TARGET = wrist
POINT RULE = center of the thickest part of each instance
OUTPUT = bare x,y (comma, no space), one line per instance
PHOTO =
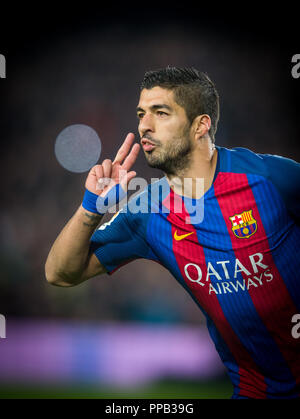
89,202
99,205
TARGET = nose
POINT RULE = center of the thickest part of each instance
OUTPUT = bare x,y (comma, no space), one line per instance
146,124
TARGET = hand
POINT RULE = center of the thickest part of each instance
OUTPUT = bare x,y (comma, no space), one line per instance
105,176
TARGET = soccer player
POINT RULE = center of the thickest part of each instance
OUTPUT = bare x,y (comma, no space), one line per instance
238,258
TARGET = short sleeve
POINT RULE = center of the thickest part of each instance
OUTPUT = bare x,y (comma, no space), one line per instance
284,173
118,242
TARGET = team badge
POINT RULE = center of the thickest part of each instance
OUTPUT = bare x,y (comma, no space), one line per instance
243,225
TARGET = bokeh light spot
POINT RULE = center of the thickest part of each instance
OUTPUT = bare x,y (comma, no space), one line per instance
78,148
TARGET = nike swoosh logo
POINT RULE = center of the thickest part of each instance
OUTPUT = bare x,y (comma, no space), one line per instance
183,236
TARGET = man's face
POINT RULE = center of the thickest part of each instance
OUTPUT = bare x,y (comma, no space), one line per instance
164,130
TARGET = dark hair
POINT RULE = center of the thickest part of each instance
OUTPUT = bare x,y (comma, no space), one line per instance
193,90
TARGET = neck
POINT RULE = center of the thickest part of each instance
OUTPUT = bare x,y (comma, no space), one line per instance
196,179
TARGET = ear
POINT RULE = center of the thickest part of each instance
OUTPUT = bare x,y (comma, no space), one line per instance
202,124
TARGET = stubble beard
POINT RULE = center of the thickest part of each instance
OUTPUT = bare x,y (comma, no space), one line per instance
172,158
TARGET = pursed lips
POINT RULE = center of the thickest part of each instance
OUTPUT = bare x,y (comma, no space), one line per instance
147,144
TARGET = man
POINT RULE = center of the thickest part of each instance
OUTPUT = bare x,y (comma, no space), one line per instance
239,260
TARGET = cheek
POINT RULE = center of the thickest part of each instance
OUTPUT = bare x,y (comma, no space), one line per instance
170,128
177,130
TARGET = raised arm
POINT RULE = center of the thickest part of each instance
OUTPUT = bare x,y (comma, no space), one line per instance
69,261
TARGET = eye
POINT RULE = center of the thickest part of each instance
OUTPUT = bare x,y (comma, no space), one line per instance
140,115
161,113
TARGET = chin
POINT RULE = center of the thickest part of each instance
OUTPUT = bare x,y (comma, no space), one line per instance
152,160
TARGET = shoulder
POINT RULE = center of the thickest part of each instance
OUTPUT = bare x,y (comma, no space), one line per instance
243,160
281,172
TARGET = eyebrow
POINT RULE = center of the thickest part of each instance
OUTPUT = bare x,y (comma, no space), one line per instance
155,107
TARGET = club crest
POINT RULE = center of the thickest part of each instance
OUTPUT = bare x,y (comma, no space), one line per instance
243,225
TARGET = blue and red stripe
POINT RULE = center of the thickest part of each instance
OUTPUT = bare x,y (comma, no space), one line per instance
251,380
272,301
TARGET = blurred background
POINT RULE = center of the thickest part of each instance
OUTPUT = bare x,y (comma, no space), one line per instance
137,333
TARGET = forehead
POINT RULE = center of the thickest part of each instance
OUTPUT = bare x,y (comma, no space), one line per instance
157,95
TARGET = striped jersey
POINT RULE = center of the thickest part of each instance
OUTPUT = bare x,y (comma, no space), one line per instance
239,260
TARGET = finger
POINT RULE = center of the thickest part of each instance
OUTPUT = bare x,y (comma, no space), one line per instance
107,165
131,158
126,179
130,176
99,171
100,178
124,149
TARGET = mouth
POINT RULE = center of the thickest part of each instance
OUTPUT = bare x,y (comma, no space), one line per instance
147,144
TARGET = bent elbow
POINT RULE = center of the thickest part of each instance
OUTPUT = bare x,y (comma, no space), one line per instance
53,279
50,277
60,279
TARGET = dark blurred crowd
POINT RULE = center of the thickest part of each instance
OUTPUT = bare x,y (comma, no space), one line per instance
92,77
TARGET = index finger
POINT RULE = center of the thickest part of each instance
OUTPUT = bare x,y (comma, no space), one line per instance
124,149
131,158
